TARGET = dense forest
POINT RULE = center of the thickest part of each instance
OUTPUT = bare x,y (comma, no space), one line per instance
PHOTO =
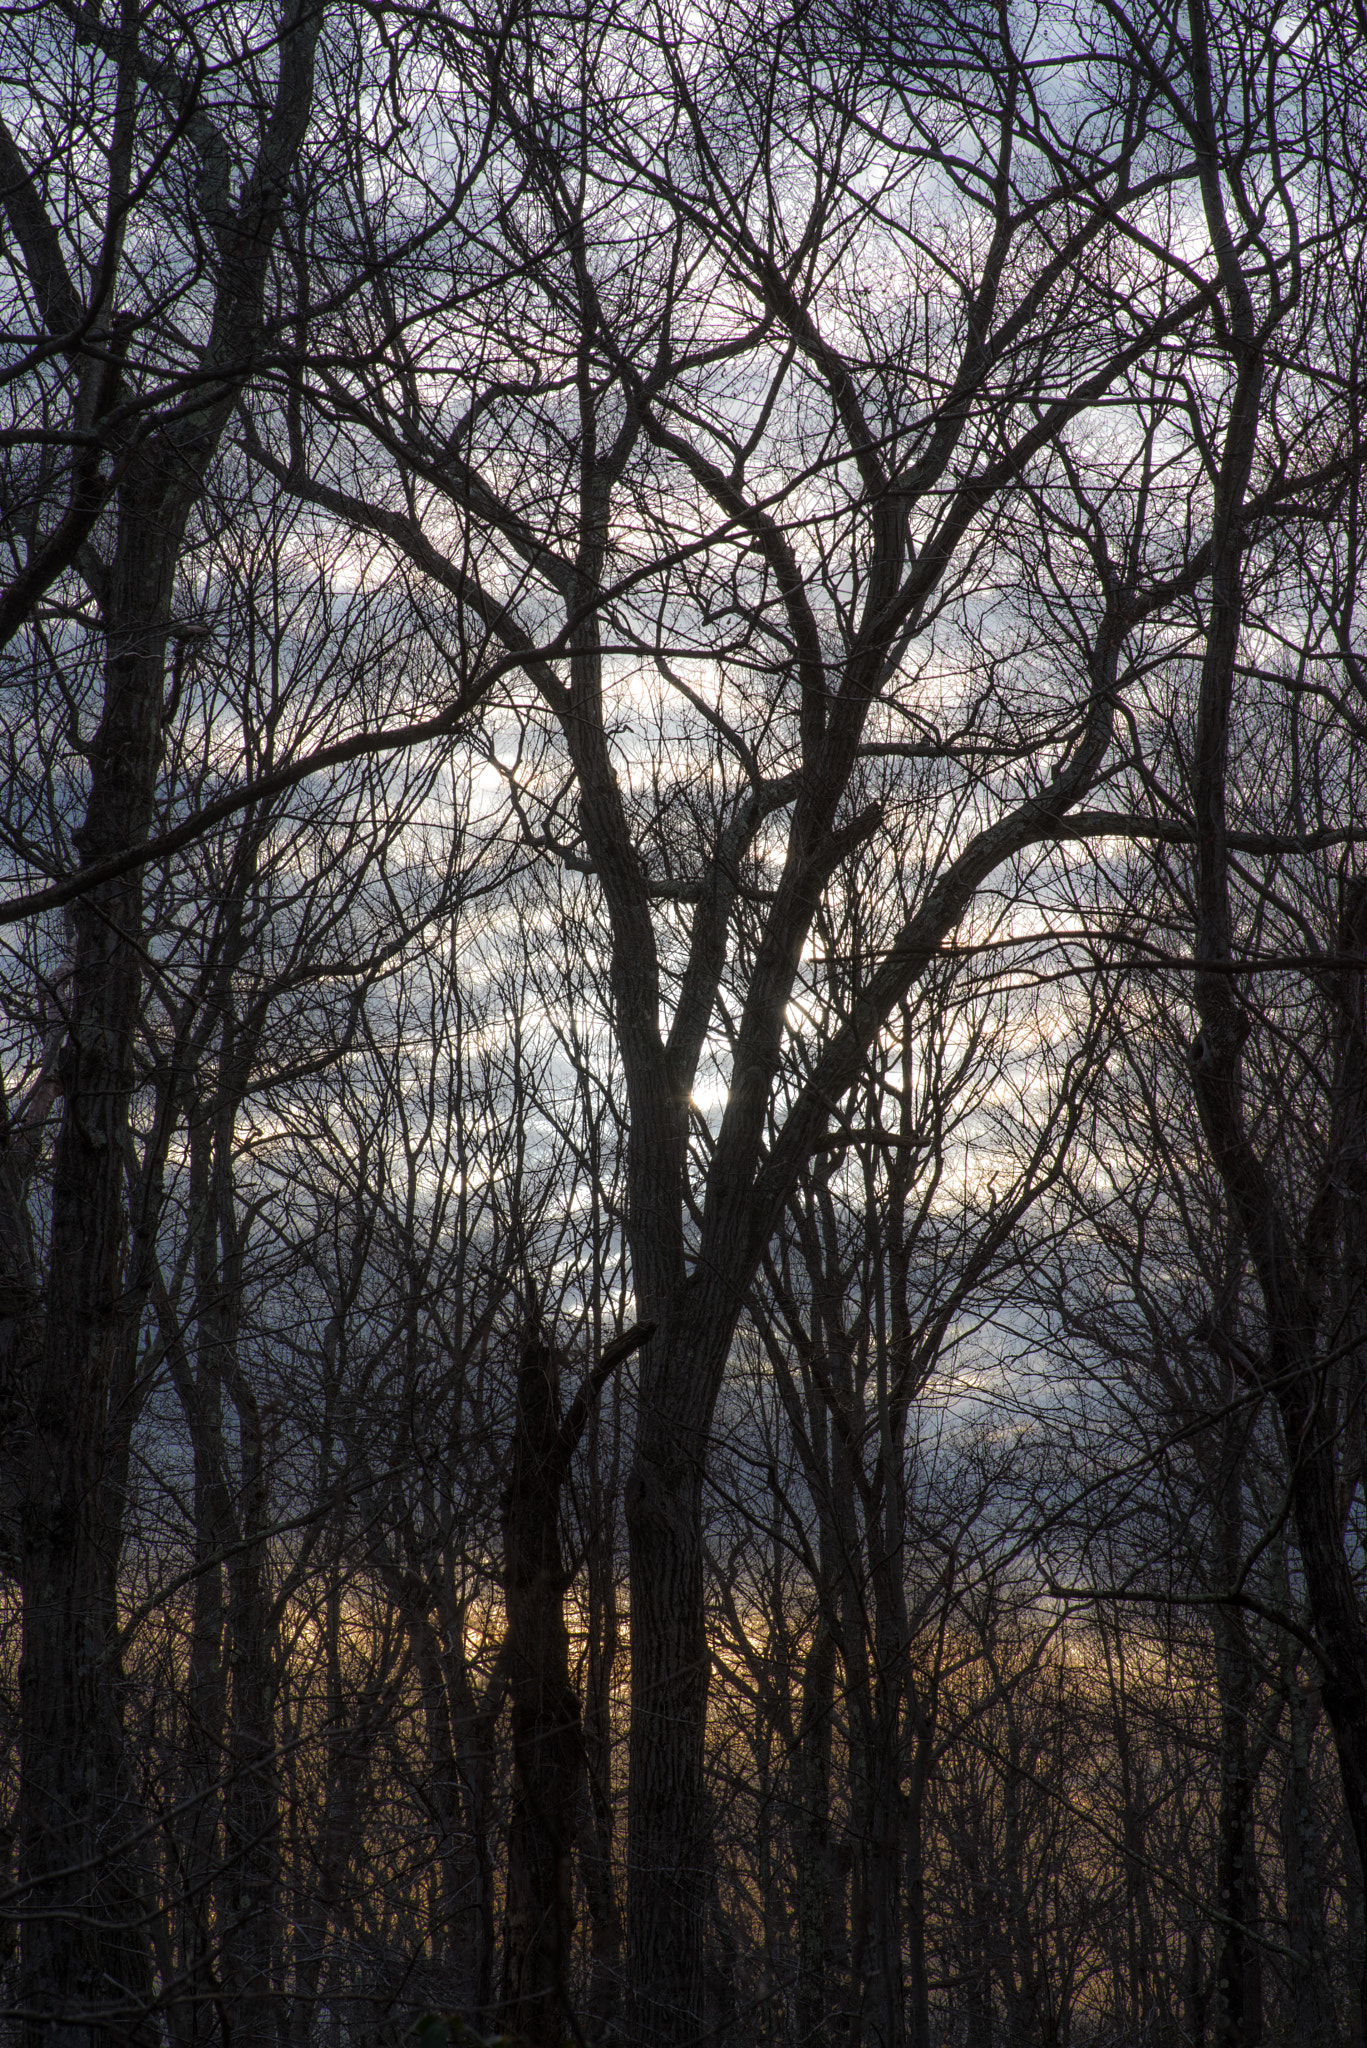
683,1137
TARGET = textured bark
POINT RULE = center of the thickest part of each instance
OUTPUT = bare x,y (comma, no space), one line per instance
1197,2000
21,1298
1020,1979
1334,1611
876,1677
881,1962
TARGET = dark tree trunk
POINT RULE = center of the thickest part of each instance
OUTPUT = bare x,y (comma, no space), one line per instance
667,1820
548,1753
1333,1607
83,1951
85,1973
548,1743
459,1734
918,1967
251,1812
1309,1972
1291,1257
669,1873
815,1875
596,1854
1197,2001
1236,2012
880,1960
207,1691
1292,1372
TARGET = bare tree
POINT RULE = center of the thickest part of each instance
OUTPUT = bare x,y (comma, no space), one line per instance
141,92
778,505
763,525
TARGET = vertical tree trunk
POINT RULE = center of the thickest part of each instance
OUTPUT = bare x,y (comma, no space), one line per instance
206,1702
918,1969
83,1950
548,1745
596,1854
251,1816
458,1729
1289,1261
1236,2007
85,1973
347,1755
978,1998
815,1875
1134,1994
1197,2002
669,1879
1311,2021
882,1964
547,1740
1334,1611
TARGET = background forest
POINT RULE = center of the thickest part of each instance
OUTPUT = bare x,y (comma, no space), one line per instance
683,1153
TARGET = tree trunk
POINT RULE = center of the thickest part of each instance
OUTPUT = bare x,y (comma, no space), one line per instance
548,1743
84,1952
251,1818
595,1856
1289,1260
918,1969
206,1703
669,1884
1311,2018
548,1751
1333,1608
85,1974
1236,2013
882,1969
459,1732
815,1876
